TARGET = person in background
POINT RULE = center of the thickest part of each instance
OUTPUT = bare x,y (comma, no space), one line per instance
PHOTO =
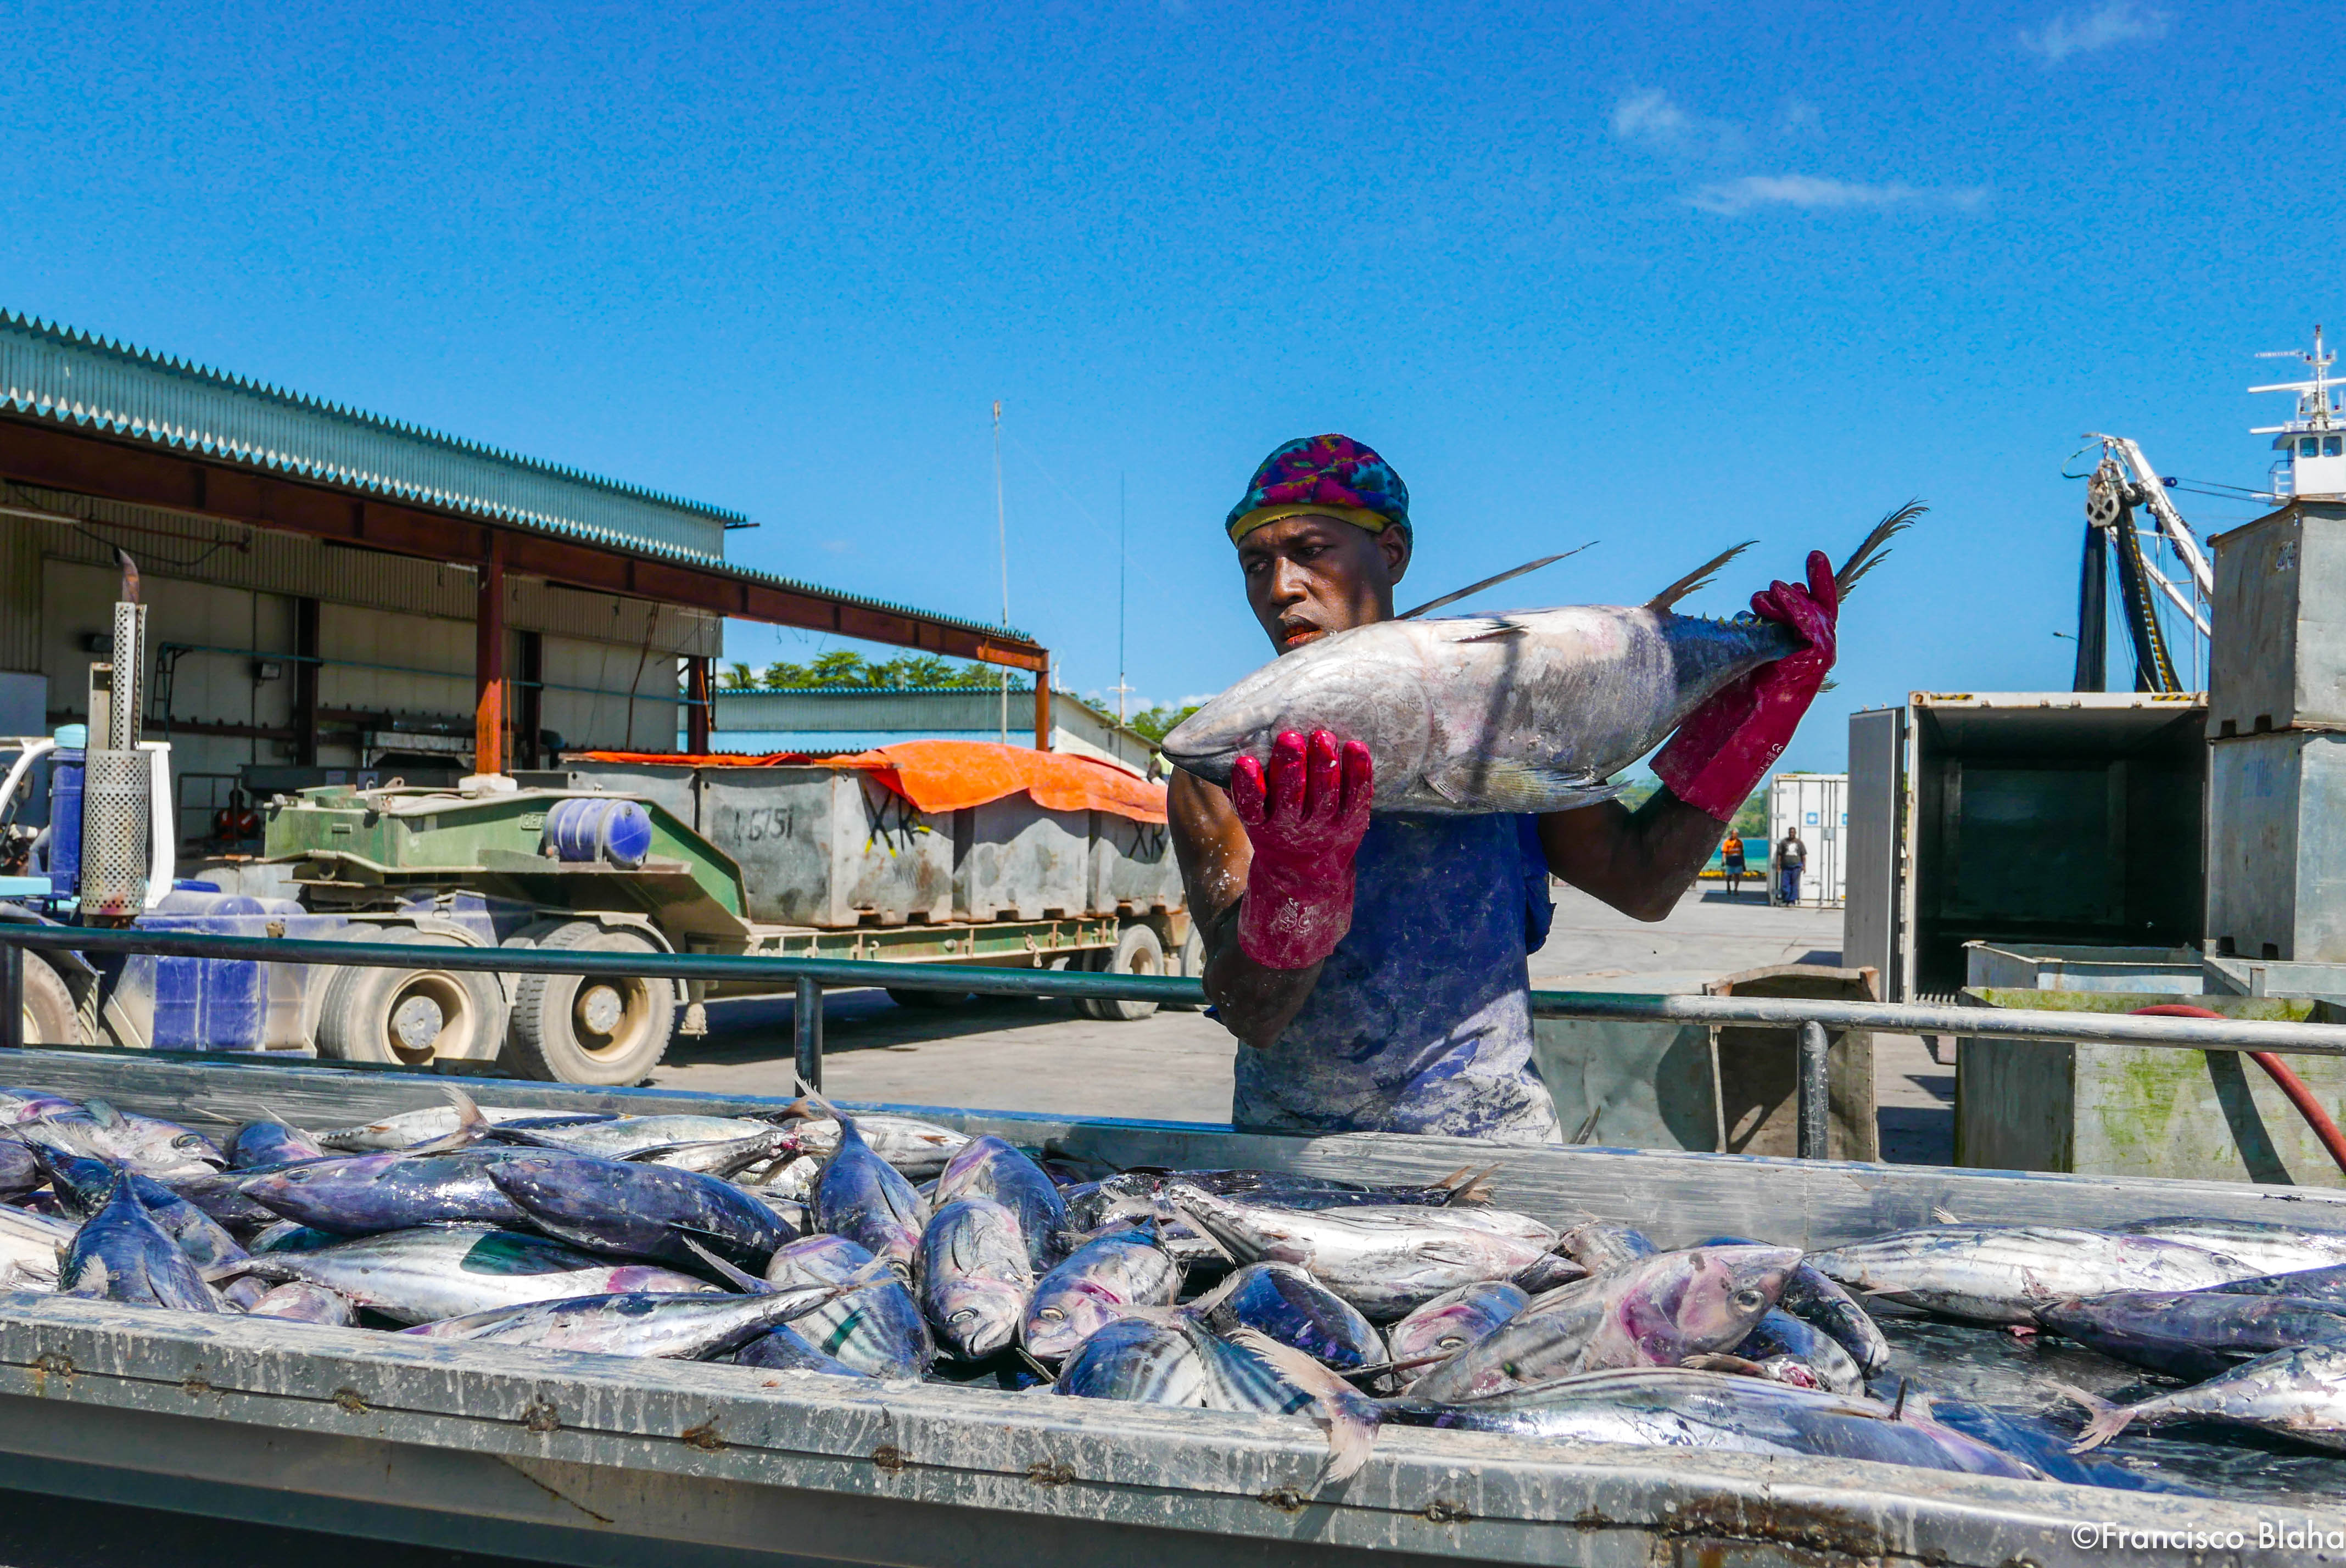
1730,862
1790,856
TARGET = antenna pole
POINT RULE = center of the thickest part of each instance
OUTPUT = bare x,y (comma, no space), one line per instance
1121,554
1002,536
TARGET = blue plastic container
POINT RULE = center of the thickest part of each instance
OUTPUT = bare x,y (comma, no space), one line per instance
617,832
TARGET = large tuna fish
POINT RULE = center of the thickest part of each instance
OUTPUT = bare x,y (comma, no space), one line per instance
2264,1245
1385,1260
1095,1286
2003,1273
2193,1334
2298,1394
84,1184
990,1167
878,1331
974,1276
863,1198
1656,1312
449,1271
639,1210
121,1254
1282,1302
687,1326
1529,712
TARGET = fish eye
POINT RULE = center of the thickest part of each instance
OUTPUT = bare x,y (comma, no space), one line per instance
1750,1300
1052,1315
963,1316
1449,1341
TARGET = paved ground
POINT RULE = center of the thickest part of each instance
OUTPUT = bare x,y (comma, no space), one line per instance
1011,1055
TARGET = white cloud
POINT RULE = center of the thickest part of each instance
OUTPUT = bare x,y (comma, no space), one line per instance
1652,120
2112,23
1810,193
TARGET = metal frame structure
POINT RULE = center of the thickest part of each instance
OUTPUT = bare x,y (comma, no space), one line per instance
601,1461
1813,1020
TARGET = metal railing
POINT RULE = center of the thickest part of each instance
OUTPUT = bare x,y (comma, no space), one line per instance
1814,1021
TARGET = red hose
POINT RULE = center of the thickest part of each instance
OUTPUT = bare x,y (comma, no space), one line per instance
2289,1082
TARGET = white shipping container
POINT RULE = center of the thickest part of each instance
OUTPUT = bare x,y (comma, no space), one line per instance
1816,805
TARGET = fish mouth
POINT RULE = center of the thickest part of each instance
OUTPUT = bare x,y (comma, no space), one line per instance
1188,746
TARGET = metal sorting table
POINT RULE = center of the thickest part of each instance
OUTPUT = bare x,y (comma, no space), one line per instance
590,1459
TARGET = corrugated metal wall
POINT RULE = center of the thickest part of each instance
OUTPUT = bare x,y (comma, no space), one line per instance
70,376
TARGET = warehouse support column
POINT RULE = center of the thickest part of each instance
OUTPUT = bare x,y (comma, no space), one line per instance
304,717
695,704
529,700
489,662
1043,711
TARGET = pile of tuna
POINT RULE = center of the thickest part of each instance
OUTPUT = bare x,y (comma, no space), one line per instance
803,1245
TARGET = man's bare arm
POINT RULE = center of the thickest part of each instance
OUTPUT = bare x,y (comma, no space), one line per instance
1256,1003
1642,862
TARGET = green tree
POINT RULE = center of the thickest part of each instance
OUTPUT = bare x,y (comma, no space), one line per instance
738,677
1157,722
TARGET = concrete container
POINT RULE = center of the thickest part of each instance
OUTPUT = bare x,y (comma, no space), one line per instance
2049,967
1012,860
1132,867
2278,659
829,847
2134,1111
1689,1086
2277,846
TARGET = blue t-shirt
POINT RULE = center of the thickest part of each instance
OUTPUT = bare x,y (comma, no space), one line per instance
1422,1019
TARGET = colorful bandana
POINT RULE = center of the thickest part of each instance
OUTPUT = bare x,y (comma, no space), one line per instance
1326,475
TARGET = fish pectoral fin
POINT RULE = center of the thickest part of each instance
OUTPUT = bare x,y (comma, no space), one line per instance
1499,633
1496,784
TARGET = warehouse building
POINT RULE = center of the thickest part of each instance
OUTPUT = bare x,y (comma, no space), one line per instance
331,590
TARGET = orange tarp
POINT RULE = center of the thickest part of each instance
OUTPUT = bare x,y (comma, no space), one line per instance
947,775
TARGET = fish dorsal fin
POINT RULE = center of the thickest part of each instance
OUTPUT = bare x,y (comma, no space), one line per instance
1696,579
1472,588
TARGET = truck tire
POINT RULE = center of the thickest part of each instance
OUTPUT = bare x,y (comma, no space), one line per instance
409,1017
50,1016
1138,951
589,1029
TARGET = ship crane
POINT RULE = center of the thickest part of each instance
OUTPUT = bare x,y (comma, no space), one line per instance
2122,481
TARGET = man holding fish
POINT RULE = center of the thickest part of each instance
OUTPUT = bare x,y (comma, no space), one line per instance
1366,826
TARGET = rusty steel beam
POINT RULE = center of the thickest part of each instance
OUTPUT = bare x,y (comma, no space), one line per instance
36,451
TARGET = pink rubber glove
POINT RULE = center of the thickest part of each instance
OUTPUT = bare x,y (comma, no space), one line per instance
1305,823
1727,746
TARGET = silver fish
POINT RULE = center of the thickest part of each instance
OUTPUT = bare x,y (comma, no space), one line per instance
29,1245
1452,1321
1282,1302
2271,1248
674,1327
121,1254
878,1331
2299,1393
147,1145
1677,1408
388,1134
991,1168
299,1301
1601,1245
1653,1313
918,1149
1531,712
1093,1284
1385,1261
629,1137
861,1195
2193,1333
975,1275
434,1272
2002,1273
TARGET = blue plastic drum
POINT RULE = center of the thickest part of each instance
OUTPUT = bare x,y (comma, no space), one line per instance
617,832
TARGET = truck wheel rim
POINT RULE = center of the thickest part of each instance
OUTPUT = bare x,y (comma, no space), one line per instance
608,1017
421,1013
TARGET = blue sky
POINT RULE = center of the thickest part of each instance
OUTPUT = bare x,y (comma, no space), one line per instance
1663,277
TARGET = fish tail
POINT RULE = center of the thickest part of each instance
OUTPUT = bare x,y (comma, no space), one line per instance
1697,579
1868,554
1348,1417
2107,1420
1467,1186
